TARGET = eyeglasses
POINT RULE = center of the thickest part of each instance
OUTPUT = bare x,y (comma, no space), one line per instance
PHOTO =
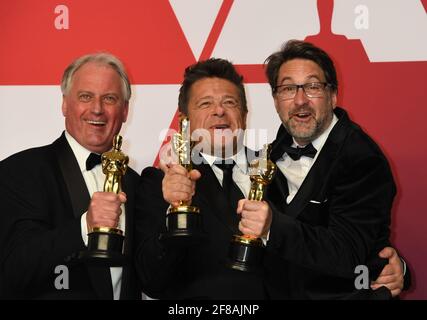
311,90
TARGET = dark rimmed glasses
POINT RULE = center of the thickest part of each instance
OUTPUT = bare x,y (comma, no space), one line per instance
311,90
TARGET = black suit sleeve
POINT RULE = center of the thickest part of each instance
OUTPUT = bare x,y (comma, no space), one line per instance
157,265
32,240
357,212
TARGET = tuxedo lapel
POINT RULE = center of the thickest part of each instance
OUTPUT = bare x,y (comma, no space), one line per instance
278,146
80,198
210,191
73,178
319,173
314,181
278,190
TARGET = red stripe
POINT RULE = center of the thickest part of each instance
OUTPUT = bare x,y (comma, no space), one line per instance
252,71
216,29
144,34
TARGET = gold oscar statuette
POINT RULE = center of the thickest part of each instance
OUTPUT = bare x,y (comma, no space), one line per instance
184,222
246,252
105,244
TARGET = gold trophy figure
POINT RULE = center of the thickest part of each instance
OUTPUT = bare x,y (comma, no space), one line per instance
184,222
114,165
246,252
105,244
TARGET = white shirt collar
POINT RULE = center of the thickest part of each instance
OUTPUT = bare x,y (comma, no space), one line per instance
239,158
80,152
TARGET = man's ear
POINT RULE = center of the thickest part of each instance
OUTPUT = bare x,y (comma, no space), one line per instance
244,118
64,106
125,111
276,103
334,99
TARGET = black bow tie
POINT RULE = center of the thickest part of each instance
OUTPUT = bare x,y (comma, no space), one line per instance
92,161
297,153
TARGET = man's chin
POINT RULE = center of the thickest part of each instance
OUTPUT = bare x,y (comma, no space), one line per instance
224,150
220,149
99,146
298,131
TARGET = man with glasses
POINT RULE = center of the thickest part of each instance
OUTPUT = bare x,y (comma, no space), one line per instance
212,95
329,205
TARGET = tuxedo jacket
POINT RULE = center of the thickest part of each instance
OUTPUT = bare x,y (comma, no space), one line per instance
193,272
43,195
338,219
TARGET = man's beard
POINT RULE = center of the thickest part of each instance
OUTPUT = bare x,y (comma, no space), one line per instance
307,134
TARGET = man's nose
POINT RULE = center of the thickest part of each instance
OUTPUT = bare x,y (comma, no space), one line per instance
300,97
219,109
97,106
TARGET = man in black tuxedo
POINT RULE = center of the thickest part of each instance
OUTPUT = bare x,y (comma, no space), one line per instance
52,196
213,97
329,205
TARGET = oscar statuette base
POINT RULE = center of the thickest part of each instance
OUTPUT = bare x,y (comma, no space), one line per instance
105,247
245,254
183,227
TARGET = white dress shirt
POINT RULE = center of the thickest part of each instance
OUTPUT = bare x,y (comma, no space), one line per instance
295,171
240,170
95,182
240,174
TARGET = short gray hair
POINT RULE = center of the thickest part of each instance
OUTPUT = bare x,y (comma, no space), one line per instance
101,58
